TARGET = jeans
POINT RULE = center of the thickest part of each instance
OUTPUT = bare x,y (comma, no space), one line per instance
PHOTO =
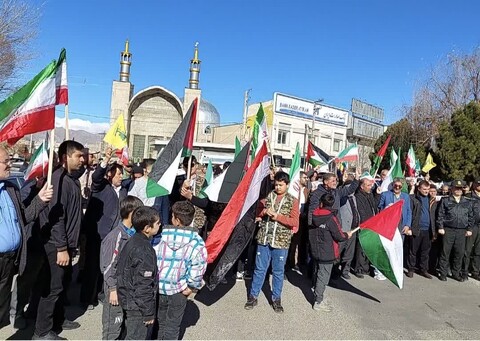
136,328
169,315
323,277
278,257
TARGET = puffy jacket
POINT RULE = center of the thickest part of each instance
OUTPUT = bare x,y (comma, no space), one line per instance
324,236
455,215
137,276
181,260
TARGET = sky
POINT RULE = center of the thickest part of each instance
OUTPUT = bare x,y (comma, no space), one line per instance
374,50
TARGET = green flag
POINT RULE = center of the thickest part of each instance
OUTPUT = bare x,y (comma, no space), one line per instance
238,146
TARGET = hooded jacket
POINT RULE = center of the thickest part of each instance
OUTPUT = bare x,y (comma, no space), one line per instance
324,236
181,260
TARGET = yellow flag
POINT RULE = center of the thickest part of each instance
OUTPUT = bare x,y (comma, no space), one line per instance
429,164
117,135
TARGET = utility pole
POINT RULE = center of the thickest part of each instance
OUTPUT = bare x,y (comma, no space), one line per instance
245,111
316,107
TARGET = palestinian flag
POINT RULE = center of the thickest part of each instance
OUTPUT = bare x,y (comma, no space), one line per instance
411,163
38,163
32,108
242,200
208,179
222,187
164,170
316,156
349,154
294,187
382,243
379,157
259,131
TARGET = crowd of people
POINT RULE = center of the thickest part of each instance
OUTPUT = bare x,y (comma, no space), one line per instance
142,257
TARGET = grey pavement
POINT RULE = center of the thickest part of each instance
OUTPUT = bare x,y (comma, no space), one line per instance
362,309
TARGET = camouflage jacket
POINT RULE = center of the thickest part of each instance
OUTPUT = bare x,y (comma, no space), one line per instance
274,233
199,218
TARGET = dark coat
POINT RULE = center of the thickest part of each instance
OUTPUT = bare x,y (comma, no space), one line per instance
455,215
103,209
25,215
367,205
137,276
416,206
324,236
476,206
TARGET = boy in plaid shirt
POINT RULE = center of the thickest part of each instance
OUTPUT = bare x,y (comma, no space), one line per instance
182,261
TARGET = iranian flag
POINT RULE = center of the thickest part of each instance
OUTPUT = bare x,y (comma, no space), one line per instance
294,188
316,156
259,131
379,157
411,163
61,85
38,163
164,170
348,155
382,243
238,146
122,154
32,108
244,197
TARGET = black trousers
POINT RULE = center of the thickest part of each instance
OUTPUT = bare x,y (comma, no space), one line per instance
472,253
7,271
419,247
92,280
298,251
453,240
51,308
347,252
112,321
362,265
169,315
135,326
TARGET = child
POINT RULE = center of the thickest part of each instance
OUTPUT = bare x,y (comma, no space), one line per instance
278,222
137,274
112,317
324,235
182,261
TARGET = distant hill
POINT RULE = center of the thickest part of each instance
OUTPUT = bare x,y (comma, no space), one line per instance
82,136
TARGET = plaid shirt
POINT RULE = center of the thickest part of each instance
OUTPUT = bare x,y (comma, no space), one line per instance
181,260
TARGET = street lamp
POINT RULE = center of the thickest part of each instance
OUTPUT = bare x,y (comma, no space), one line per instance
317,105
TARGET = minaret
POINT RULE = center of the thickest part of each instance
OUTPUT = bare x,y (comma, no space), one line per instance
194,70
122,90
125,62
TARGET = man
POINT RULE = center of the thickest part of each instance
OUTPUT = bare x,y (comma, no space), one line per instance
330,186
455,222
86,178
423,230
139,188
13,242
60,236
472,245
445,192
102,215
367,206
390,197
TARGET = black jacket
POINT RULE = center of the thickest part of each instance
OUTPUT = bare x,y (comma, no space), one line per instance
25,215
455,215
338,193
137,276
416,205
65,211
103,210
367,205
476,207
324,236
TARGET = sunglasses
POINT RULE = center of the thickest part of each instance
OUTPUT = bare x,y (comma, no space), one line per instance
397,186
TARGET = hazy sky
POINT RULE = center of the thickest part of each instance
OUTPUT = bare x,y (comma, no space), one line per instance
335,50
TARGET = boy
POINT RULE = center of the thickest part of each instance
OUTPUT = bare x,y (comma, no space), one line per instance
137,274
324,236
112,318
182,261
278,222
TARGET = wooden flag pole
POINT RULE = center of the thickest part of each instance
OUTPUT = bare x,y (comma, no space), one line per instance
67,130
189,168
50,156
355,229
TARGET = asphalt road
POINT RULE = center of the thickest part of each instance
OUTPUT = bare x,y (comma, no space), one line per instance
362,309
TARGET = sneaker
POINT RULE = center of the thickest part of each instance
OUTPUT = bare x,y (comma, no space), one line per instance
358,274
239,276
247,275
346,276
277,306
465,277
458,278
443,278
322,306
476,277
425,274
409,274
224,281
380,277
251,302
297,270
49,336
70,325
18,322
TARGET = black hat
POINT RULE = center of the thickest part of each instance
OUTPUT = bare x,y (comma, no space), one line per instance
476,182
137,169
458,183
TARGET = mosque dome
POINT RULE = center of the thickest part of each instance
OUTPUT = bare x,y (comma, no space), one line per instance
207,116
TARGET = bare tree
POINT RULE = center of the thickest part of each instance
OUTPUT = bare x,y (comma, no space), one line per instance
18,27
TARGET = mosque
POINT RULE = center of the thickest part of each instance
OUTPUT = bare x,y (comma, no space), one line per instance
153,114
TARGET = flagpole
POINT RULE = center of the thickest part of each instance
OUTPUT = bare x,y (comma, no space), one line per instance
50,156
189,167
67,132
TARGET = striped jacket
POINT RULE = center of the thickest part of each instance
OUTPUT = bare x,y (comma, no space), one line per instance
181,260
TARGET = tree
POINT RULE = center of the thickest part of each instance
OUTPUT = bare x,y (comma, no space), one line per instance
18,28
459,143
